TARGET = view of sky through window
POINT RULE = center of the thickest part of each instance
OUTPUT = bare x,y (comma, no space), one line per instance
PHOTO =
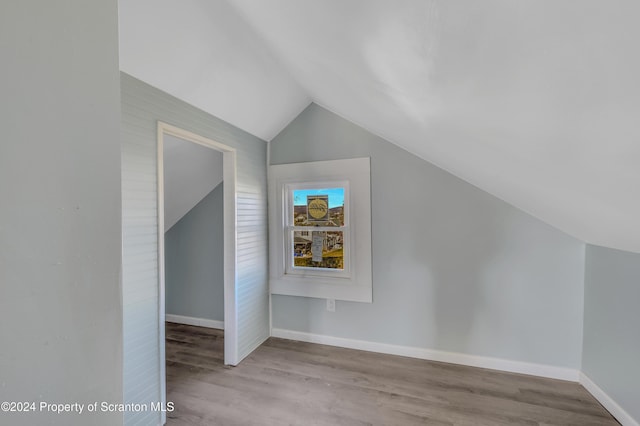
336,196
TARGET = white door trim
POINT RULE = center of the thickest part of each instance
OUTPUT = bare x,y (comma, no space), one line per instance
230,225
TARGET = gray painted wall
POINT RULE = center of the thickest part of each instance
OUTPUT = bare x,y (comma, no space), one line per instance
454,268
611,321
194,250
60,303
142,107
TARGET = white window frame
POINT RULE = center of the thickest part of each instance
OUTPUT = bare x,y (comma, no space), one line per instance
354,282
289,226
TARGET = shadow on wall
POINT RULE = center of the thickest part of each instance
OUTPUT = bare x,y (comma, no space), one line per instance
194,267
483,277
434,248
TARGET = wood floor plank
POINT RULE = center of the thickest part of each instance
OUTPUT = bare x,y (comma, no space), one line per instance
286,382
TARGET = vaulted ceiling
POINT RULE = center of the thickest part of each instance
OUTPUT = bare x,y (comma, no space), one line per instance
534,101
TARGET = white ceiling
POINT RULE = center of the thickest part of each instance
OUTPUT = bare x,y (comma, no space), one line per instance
202,52
191,171
534,101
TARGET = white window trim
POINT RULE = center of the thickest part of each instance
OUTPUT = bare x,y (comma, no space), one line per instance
356,285
288,190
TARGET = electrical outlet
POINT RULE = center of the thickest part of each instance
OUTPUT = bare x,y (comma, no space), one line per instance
331,305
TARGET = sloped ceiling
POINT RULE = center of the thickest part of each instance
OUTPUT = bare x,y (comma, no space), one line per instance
191,172
534,101
202,52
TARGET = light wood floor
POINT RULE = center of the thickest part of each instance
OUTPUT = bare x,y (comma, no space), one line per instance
293,383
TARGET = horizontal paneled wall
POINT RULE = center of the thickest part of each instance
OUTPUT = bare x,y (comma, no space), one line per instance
142,107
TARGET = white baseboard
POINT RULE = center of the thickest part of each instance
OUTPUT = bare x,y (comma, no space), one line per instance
434,355
540,370
607,402
200,322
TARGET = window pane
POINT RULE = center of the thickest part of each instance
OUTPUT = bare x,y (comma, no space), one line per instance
318,207
318,249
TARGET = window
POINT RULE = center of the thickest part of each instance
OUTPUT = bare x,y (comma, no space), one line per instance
320,229
316,232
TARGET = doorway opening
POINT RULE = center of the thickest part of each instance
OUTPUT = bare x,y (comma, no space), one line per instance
206,172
